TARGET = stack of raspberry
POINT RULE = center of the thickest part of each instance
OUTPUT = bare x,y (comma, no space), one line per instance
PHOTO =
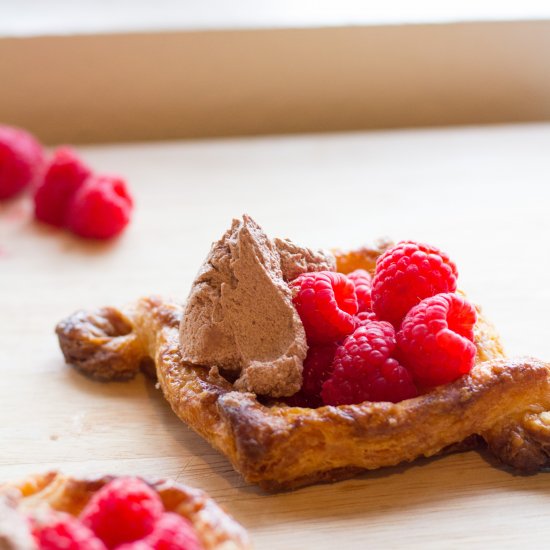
66,192
125,514
387,337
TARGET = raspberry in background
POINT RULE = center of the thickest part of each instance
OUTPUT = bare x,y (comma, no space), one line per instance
363,282
326,303
405,275
171,532
317,368
64,175
436,339
21,161
364,369
100,208
124,510
62,531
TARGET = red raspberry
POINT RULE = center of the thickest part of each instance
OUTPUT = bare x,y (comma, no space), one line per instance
317,368
21,161
326,303
100,209
137,545
124,510
363,318
363,282
364,369
172,532
405,275
65,174
436,339
64,531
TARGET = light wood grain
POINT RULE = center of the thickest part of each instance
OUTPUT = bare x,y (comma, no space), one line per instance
482,194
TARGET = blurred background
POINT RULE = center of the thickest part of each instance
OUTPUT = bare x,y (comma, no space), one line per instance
418,120
111,70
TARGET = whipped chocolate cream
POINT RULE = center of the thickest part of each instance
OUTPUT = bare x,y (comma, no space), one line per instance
296,260
239,315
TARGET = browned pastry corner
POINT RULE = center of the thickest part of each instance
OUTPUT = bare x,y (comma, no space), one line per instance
215,529
502,401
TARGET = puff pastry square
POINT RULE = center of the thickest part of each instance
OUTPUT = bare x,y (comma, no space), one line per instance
503,403
215,529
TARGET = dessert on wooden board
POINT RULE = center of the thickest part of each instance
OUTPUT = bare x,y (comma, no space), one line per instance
304,366
53,511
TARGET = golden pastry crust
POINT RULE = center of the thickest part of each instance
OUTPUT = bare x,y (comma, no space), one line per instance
215,529
502,401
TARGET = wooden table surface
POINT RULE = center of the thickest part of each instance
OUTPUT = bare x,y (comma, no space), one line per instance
482,194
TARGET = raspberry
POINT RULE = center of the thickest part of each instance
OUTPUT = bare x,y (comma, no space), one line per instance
326,303
100,209
21,161
124,510
363,318
364,369
405,275
300,399
65,174
64,531
436,339
172,532
317,368
363,282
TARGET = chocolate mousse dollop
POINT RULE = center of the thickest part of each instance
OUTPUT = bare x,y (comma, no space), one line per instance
296,260
239,315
